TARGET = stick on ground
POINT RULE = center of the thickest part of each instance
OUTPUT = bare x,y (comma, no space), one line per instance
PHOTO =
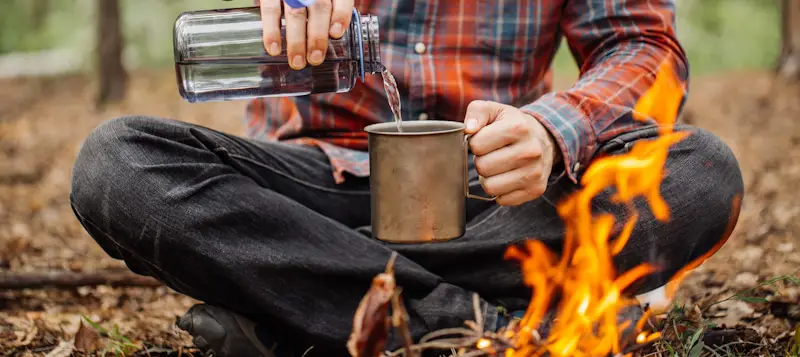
66,279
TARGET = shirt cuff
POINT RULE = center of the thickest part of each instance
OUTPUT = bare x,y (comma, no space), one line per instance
573,133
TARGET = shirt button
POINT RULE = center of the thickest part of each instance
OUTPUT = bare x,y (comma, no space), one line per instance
419,48
423,116
576,167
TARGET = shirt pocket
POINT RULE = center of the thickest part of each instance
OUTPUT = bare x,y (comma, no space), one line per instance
508,28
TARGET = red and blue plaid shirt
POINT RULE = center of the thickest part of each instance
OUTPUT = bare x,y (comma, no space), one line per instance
446,53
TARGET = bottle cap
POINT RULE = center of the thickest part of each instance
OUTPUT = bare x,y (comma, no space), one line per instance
299,3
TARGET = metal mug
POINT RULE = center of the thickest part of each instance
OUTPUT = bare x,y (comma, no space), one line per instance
418,181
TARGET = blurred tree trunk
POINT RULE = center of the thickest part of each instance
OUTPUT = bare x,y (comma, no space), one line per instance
41,8
110,43
789,62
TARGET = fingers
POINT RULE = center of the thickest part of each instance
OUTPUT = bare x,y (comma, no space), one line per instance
498,134
296,20
307,29
479,114
526,179
340,18
319,20
515,198
271,20
507,158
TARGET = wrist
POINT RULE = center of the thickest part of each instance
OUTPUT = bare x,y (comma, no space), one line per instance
550,150
555,151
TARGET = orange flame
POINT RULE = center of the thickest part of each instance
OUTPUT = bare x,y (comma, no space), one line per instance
583,276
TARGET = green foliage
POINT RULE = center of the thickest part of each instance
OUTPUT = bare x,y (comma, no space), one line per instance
721,35
117,343
790,279
718,35
20,30
794,349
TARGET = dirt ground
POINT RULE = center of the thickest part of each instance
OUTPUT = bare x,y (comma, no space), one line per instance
43,121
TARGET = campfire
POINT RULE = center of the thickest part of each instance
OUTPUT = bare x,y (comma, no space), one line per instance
582,277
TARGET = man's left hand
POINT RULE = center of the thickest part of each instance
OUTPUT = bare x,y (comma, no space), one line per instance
514,153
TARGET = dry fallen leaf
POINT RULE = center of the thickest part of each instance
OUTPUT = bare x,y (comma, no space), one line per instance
371,320
64,349
25,338
400,322
87,339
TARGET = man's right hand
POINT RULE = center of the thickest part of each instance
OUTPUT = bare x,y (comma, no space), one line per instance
307,29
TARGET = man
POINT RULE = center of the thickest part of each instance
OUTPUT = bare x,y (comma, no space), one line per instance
272,231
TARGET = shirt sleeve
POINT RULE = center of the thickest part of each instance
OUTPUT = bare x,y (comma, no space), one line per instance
618,46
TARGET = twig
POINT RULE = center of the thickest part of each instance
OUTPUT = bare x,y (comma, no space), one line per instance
476,308
445,332
400,322
457,338
65,279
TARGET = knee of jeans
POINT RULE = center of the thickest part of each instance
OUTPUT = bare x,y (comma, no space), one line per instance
713,170
705,189
100,164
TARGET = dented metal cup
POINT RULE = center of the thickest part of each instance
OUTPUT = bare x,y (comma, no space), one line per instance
418,181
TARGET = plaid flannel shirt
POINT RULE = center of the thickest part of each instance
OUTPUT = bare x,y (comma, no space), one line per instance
446,53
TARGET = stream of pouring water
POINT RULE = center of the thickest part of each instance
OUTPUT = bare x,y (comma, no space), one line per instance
390,86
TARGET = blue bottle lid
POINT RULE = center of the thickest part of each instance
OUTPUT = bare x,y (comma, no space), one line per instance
299,3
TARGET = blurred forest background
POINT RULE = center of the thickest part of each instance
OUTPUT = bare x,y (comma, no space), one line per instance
59,59
64,33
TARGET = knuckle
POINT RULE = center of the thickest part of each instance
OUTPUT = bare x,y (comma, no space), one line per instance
535,190
271,7
341,15
519,127
299,13
490,188
475,147
508,200
525,179
503,201
296,44
475,104
481,167
323,6
272,35
527,155
315,42
319,39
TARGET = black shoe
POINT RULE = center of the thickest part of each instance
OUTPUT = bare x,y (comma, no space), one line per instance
222,333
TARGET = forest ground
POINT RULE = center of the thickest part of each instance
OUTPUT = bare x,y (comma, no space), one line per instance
43,122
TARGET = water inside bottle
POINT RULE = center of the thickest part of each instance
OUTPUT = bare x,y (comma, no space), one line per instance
216,80
390,86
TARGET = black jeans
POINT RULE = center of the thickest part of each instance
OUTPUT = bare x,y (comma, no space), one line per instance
261,227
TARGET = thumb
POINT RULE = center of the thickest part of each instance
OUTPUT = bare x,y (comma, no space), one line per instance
481,113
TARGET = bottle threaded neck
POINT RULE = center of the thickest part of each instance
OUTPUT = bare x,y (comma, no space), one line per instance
371,43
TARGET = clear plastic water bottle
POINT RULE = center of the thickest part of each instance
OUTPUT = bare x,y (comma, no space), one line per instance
220,56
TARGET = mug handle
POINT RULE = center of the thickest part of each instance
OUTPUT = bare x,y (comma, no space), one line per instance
466,174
